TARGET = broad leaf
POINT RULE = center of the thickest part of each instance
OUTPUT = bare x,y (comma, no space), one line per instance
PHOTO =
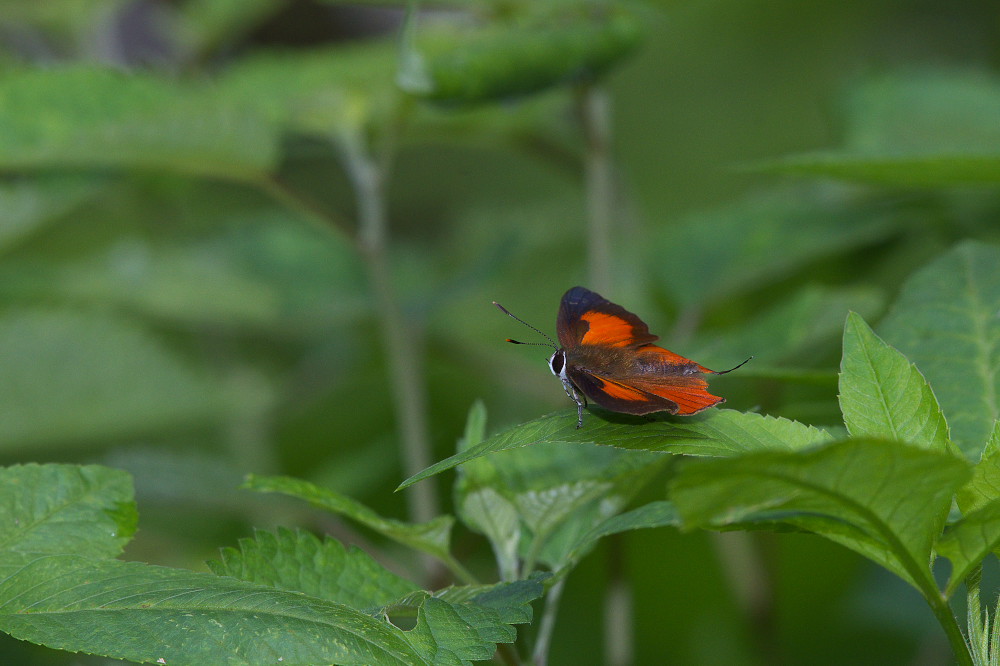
718,432
528,53
945,322
431,537
935,128
71,378
741,246
144,613
89,117
885,500
57,509
970,540
883,395
299,562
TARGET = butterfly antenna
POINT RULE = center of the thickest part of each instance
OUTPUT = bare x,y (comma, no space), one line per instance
722,372
551,343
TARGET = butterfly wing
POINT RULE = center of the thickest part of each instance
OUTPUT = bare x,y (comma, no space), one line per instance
587,318
657,380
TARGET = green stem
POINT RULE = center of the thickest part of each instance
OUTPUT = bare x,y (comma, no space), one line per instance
595,117
946,617
402,352
544,639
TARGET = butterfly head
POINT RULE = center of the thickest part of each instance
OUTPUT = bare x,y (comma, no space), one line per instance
558,364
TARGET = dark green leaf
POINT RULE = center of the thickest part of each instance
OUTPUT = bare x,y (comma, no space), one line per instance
970,540
885,500
714,433
984,487
143,613
57,509
945,321
883,395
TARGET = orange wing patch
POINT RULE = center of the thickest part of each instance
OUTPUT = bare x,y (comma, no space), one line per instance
622,391
607,329
690,393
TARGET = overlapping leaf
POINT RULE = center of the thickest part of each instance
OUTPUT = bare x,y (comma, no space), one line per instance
718,432
299,562
883,395
945,321
885,500
431,537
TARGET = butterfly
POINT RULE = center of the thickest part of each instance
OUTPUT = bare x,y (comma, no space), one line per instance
607,354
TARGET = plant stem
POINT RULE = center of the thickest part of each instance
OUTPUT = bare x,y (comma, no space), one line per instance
541,653
946,617
594,107
617,607
402,352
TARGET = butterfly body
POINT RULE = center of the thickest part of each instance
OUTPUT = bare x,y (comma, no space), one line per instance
607,355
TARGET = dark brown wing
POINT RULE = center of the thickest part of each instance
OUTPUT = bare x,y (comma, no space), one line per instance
587,318
659,381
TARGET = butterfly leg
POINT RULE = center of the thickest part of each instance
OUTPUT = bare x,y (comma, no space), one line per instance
576,397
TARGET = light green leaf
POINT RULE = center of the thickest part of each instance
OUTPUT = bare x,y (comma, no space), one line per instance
299,562
89,117
984,487
144,613
718,432
968,541
57,509
885,500
71,377
463,63
933,128
946,322
323,91
883,395
431,537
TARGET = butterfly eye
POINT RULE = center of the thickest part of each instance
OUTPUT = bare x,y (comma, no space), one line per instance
557,362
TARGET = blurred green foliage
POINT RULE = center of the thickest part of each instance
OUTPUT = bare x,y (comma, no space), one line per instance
182,293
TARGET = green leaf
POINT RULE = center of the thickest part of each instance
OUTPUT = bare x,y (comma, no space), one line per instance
754,242
466,623
945,321
88,117
885,500
984,487
323,91
462,63
72,377
431,537
654,514
480,502
144,613
968,541
57,509
718,432
883,395
933,128
299,562
26,205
